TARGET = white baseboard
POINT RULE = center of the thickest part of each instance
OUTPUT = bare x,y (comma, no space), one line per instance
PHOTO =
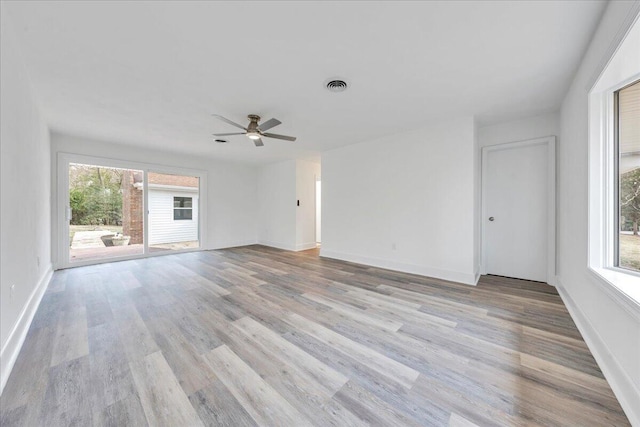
622,385
234,244
12,346
306,246
453,276
278,245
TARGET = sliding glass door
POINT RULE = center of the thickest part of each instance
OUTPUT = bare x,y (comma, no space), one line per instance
114,210
173,212
105,212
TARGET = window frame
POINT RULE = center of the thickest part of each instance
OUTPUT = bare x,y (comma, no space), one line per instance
615,140
616,177
182,208
60,235
620,283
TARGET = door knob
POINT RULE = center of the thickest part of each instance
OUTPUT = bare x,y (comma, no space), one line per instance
491,218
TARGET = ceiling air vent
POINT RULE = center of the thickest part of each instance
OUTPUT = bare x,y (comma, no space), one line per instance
336,85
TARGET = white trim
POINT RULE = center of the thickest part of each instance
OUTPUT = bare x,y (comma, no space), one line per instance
453,276
287,247
13,345
477,276
622,385
609,279
233,245
306,246
278,245
623,286
616,41
550,142
61,255
179,188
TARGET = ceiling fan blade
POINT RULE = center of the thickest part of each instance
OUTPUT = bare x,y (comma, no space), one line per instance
276,136
258,142
228,134
229,121
271,123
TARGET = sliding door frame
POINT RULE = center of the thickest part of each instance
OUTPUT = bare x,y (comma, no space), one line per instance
61,247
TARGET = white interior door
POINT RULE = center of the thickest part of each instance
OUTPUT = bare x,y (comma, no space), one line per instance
518,224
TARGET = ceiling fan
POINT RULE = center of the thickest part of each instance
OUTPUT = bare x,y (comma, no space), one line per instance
255,130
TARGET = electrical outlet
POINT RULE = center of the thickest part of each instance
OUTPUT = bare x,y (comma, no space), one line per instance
11,289
38,261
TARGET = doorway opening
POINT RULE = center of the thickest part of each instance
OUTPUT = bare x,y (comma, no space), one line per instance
318,211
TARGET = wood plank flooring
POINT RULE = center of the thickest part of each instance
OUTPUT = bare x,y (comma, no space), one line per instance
257,336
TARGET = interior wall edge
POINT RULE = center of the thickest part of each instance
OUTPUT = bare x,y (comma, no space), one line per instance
477,275
305,246
622,385
11,348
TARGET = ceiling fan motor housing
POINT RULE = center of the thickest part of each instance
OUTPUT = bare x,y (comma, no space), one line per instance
253,125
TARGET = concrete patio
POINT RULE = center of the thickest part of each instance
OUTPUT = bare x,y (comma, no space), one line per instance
87,245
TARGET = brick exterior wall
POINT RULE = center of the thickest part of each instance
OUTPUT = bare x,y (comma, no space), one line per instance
132,203
177,180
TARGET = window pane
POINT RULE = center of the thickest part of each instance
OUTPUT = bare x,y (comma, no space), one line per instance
107,218
173,212
629,178
182,202
182,214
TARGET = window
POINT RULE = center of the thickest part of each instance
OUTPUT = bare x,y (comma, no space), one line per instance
182,208
627,140
614,150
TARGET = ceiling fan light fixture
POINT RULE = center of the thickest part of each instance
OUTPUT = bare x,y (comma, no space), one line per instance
255,130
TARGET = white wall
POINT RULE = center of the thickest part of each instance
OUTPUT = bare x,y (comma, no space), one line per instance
404,202
277,205
306,173
611,330
25,258
231,188
520,130
283,224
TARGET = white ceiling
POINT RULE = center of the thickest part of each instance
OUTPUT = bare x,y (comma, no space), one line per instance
152,73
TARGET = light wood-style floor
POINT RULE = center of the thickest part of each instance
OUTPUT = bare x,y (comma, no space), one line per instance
257,336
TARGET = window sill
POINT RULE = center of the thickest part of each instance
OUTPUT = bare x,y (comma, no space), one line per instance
623,287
